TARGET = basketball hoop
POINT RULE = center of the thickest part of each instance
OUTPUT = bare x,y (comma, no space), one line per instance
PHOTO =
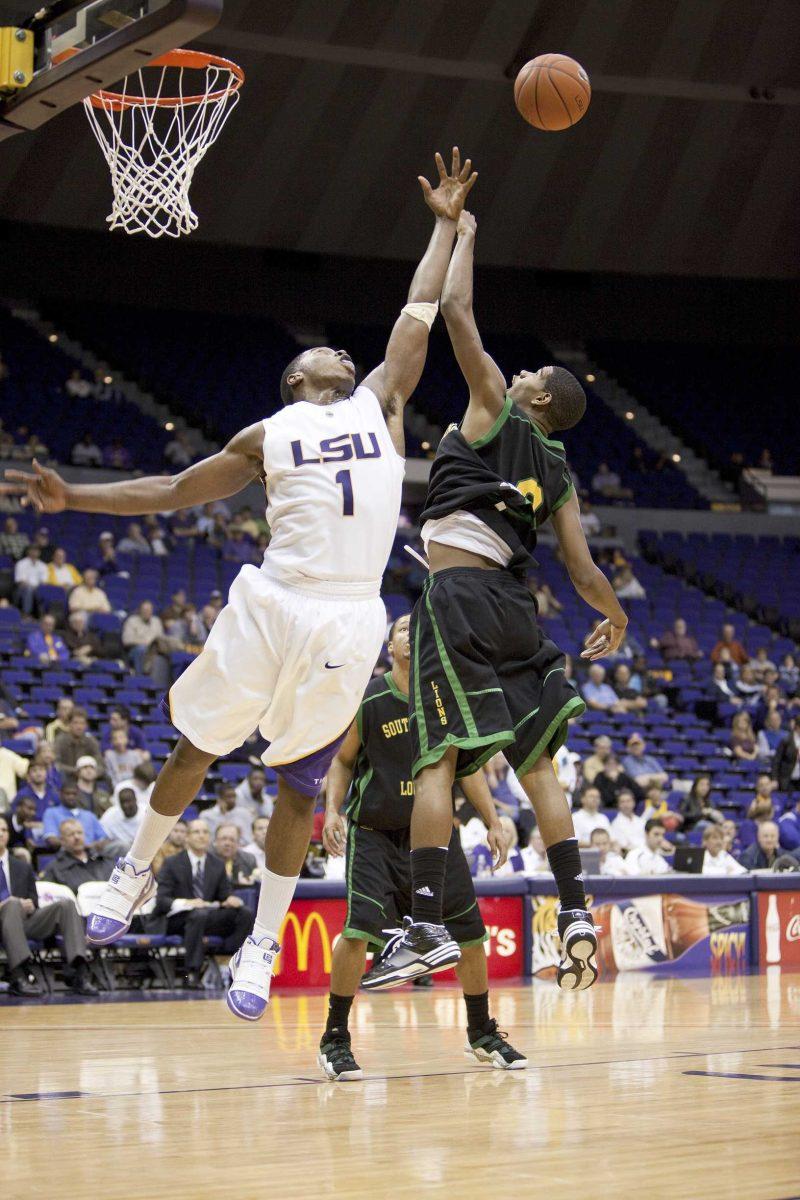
156,130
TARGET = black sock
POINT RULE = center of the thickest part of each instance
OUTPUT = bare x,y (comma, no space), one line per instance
565,863
428,865
477,1011
338,1013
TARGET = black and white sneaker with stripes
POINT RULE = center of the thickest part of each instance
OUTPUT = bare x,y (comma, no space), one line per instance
336,1057
489,1045
415,950
578,967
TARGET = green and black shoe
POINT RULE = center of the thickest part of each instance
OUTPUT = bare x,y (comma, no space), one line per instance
490,1046
336,1058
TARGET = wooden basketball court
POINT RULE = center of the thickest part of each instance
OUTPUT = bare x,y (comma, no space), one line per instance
640,1087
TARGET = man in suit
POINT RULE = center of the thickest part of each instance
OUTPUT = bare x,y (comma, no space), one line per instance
21,918
239,865
786,763
196,896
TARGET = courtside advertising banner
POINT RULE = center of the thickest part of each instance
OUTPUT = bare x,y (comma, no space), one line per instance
663,932
779,929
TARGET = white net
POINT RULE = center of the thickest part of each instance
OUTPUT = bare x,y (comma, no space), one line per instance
154,132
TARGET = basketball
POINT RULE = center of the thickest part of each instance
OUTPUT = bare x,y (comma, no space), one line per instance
552,92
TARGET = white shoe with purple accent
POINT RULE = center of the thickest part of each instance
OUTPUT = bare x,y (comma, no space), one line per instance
125,893
251,974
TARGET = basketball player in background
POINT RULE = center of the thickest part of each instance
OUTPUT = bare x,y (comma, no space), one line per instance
483,677
292,651
373,765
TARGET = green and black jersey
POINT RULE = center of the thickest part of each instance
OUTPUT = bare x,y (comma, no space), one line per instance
513,478
382,793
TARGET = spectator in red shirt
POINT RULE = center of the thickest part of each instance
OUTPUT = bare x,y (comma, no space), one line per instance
678,643
729,642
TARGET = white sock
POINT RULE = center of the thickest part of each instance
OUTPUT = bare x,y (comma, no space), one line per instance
273,903
151,835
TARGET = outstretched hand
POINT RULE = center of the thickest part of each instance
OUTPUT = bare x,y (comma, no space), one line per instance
448,199
44,490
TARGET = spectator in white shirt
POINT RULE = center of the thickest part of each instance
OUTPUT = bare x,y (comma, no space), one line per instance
78,387
255,848
589,817
610,863
534,856
121,822
590,522
627,830
648,859
227,812
250,794
142,781
717,860
566,764
86,453
29,574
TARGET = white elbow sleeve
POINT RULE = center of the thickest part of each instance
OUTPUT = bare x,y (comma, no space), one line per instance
423,310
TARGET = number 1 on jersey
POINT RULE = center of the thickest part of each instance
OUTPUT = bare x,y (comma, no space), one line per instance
344,479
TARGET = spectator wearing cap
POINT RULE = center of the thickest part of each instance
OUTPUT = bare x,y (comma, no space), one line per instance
76,743
677,643
728,641
83,645
68,809
717,860
92,791
61,573
786,763
44,645
649,858
13,541
765,852
598,694
121,822
29,574
88,597
603,749
644,769
86,453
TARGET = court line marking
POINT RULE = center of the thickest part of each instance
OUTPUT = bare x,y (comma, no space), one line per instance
302,1081
741,1075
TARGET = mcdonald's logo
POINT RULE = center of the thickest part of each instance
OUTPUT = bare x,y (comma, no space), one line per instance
302,937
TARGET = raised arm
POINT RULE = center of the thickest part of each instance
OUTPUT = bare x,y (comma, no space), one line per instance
223,474
487,386
395,379
589,581
340,776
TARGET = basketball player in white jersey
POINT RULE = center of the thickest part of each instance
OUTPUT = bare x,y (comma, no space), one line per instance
294,648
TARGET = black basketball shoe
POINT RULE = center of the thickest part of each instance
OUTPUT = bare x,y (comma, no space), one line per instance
336,1058
489,1045
416,949
578,967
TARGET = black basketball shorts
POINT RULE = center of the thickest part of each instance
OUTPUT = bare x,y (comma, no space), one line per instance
483,676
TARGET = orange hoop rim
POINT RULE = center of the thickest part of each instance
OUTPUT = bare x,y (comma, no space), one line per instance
196,60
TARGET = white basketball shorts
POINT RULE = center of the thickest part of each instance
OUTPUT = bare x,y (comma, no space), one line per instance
292,663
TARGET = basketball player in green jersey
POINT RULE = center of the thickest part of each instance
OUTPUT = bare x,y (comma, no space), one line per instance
374,763
484,677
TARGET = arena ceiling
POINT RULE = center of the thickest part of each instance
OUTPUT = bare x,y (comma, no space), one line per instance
674,170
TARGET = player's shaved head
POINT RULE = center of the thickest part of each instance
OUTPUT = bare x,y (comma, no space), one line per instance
287,392
325,375
568,399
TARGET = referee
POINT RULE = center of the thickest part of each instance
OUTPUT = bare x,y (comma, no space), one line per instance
372,771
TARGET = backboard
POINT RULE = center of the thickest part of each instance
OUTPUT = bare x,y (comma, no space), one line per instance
80,48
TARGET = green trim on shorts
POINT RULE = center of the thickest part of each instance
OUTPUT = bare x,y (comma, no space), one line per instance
452,678
369,899
419,711
555,735
474,942
499,740
463,913
351,838
362,936
484,691
505,413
